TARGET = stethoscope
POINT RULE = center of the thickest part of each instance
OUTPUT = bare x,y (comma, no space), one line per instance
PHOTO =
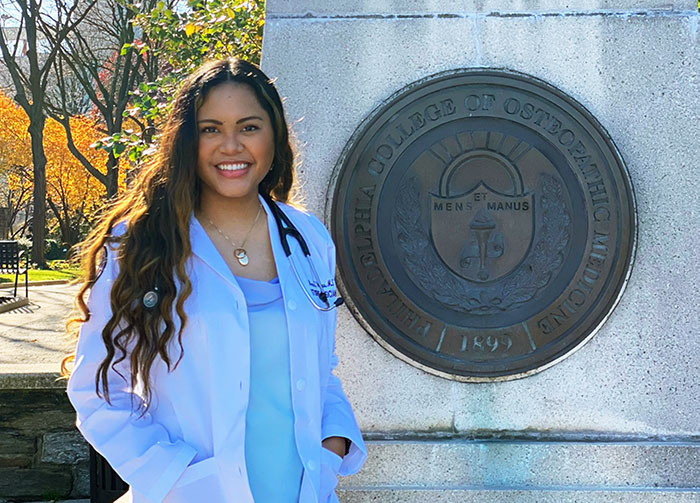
286,229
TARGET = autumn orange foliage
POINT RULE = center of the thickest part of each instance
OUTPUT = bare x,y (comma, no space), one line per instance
72,194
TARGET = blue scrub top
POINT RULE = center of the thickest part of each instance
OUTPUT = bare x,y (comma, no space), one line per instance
272,460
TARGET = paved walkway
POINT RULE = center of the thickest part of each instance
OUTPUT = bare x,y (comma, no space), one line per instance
34,335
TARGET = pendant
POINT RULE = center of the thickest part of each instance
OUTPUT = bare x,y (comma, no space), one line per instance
241,256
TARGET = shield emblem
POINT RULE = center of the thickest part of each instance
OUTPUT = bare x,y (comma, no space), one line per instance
483,234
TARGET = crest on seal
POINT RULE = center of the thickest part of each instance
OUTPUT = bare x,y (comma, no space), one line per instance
483,234
479,251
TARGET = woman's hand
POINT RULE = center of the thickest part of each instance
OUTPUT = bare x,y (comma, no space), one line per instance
331,460
336,445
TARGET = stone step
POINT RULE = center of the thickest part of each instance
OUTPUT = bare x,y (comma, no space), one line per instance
515,495
646,466
86,500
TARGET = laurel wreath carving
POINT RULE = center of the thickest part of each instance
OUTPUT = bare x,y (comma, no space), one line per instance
425,268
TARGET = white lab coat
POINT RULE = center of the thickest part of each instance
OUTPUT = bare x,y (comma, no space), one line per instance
190,445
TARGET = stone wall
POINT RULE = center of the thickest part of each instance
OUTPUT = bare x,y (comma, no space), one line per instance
634,65
42,455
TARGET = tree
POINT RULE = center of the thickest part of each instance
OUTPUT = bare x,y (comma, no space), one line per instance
107,65
29,82
73,195
15,164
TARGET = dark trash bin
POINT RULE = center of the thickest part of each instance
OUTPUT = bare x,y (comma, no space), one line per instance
105,485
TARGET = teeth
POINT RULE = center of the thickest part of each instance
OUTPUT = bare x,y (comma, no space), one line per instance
232,167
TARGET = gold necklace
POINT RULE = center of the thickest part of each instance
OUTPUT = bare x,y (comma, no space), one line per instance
239,253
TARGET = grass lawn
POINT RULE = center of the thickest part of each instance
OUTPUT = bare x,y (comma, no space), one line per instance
42,275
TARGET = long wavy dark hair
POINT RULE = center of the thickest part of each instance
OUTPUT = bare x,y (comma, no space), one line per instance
156,243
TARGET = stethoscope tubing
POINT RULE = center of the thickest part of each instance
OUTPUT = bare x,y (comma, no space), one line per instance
286,228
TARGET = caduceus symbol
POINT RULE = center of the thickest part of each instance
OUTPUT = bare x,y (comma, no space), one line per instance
488,244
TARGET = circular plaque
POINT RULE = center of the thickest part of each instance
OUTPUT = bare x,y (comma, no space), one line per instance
485,224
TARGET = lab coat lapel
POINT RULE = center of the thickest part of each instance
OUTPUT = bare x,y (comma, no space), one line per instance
222,350
204,248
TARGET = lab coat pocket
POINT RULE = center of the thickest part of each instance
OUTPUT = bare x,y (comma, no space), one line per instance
330,464
199,482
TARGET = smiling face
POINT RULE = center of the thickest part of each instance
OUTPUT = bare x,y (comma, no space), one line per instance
236,144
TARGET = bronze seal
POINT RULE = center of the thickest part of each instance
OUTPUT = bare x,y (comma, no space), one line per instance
485,224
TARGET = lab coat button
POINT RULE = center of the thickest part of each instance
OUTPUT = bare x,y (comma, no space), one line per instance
291,305
312,465
301,384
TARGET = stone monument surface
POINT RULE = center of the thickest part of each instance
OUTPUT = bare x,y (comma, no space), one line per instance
619,416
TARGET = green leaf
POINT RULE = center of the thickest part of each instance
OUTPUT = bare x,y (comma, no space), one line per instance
118,149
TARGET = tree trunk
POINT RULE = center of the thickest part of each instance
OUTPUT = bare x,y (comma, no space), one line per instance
112,176
36,131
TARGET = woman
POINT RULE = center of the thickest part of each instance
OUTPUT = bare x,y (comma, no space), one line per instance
202,370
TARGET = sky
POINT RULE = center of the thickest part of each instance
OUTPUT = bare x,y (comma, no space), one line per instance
10,11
